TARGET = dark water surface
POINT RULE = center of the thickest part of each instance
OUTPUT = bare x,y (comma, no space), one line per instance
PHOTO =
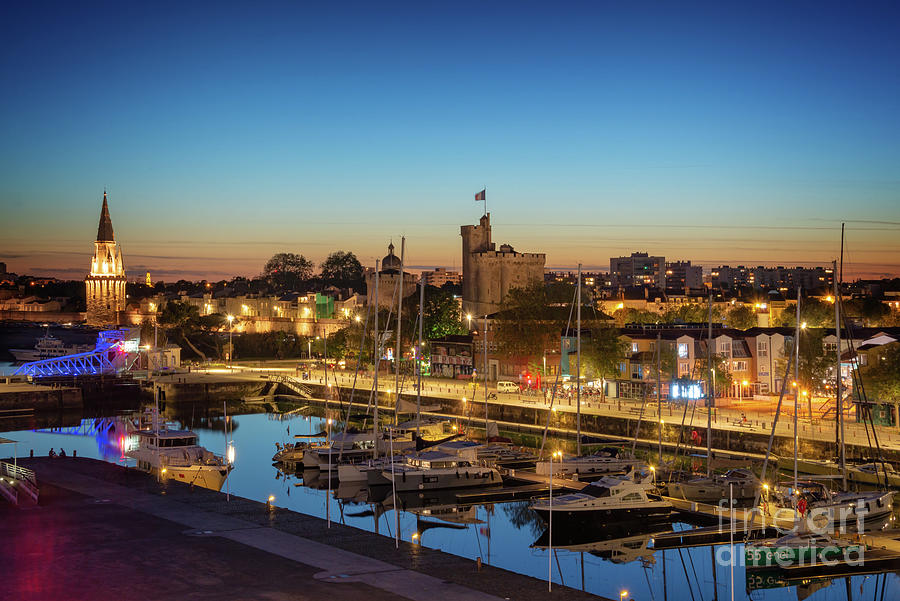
507,535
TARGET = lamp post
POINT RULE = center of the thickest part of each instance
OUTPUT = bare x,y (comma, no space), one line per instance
309,356
469,319
328,496
550,525
231,342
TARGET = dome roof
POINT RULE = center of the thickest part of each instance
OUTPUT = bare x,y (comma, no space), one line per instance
390,262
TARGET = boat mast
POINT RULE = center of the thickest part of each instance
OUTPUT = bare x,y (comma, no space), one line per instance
419,355
659,393
711,393
578,364
796,384
399,315
377,357
840,399
485,381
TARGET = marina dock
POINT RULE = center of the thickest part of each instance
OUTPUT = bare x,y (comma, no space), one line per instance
103,531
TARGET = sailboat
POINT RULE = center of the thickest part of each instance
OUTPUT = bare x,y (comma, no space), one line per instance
812,501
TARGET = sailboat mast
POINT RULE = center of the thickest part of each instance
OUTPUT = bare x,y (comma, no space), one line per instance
578,364
485,381
796,383
419,355
711,393
399,315
377,358
837,322
659,392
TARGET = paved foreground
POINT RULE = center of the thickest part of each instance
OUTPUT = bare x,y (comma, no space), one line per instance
101,532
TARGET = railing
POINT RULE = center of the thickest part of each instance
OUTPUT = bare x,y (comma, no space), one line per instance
293,384
24,480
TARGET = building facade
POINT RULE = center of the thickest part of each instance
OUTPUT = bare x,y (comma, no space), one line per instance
105,284
681,275
440,276
639,269
389,280
488,273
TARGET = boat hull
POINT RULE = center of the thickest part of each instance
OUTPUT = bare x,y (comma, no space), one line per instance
592,518
405,481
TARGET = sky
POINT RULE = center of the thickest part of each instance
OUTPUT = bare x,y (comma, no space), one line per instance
721,133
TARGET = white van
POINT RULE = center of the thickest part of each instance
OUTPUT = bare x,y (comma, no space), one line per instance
506,386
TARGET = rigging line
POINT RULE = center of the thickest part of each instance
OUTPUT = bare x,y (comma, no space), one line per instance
647,579
637,429
864,397
694,569
556,382
558,567
686,577
762,479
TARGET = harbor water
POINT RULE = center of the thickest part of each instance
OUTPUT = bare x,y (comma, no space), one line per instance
507,535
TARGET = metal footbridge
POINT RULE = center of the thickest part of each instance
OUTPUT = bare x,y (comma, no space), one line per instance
116,350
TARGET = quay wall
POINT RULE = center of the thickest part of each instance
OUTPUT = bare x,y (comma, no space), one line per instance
39,398
530,421
183,390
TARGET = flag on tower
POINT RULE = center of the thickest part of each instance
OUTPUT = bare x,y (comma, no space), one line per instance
480,196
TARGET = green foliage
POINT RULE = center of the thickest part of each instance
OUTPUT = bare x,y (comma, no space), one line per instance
881,377
442,314
722,370
815,313
602,352
815,362
288,271
870,311
342,269
527,325
741,317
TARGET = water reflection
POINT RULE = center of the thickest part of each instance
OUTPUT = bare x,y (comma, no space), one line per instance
507,535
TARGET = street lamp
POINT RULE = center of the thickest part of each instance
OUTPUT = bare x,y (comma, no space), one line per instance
230,342
469,319
550,525
328,496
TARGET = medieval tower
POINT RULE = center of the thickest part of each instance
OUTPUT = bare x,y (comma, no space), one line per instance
488,273
105,285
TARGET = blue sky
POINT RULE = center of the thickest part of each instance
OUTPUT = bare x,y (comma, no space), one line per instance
228,132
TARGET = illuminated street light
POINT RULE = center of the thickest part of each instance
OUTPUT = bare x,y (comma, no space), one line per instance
230,319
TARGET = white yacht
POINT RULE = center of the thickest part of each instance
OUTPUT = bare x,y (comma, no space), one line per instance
622,497
878,473
175,455
605,461
344,447
741,483
368,471
828,511
49,347
433,470
288,453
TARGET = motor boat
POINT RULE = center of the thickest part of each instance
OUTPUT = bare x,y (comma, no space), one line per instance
827,511
49,347
435,469
605,461
877,473
175,455
737,483
800,549
623,497
293,453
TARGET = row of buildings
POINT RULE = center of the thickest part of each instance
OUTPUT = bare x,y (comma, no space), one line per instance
751,358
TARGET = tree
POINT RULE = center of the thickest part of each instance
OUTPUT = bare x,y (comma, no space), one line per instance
872,312
604,350
815,362
287,271
527,323
442,314
342,269
741,317
721,369
881,377
180,319
814,312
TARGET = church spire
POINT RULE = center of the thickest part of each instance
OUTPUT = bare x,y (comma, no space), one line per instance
105,229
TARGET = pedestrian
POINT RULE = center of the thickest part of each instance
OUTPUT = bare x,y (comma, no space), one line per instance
52,453
74,453
32,453
62,452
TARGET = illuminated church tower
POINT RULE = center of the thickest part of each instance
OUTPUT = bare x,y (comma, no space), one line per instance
105,285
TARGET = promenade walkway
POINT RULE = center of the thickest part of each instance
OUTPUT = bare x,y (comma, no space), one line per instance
102,532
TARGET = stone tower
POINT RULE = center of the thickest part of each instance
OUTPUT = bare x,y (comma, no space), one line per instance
105,285
488,273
